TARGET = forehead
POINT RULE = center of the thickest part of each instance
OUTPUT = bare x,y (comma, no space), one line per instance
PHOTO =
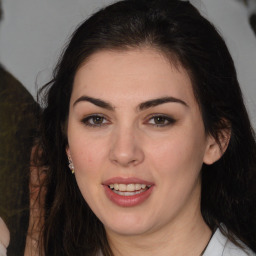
134,73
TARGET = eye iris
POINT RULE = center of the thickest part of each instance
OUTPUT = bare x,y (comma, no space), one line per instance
159,120
97,120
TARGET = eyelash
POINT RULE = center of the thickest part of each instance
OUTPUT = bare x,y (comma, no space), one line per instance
168,119
86,121
164,118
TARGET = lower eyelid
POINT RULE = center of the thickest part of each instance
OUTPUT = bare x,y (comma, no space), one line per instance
86,120
170,120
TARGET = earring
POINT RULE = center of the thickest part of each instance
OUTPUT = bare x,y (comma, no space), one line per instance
71,165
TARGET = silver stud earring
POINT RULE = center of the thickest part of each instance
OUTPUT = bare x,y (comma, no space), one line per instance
71,165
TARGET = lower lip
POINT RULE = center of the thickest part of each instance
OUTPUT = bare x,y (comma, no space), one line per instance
127,201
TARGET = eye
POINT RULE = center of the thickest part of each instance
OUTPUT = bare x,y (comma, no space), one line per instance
161,120
95,121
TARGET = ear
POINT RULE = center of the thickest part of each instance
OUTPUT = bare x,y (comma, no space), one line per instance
216,148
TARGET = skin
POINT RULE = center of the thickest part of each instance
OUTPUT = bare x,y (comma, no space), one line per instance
127,141
4,234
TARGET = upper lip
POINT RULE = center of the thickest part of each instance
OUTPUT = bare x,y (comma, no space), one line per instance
122,180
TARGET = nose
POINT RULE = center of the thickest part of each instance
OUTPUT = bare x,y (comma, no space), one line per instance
126,148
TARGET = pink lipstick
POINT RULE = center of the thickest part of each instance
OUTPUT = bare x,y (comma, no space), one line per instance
127,192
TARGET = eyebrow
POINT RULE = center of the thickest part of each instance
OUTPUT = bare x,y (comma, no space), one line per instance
159,101
142,106
97,102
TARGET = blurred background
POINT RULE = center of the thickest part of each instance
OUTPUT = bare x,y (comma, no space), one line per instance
32,36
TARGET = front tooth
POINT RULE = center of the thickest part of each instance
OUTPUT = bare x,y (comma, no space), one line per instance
138,186
116,187
122,187
130,187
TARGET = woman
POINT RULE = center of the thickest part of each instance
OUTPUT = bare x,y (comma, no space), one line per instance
146,139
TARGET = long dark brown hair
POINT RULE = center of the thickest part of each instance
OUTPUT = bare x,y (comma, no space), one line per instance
178,30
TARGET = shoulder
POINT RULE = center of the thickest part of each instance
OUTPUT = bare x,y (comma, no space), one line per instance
4,238
220,245
3,250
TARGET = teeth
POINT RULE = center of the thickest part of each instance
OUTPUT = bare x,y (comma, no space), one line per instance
137,186
128,193
128,187
131,187
121,187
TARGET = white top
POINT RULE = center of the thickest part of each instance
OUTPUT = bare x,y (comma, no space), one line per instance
220,245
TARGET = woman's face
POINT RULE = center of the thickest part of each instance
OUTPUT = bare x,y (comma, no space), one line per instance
137,141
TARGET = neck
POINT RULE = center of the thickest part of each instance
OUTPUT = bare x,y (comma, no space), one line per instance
184,234
188,234
186,240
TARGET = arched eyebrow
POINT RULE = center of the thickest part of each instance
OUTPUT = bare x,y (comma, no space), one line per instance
159,101
98,102
142,106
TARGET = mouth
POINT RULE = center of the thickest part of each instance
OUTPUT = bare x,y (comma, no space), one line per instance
128,189
127,192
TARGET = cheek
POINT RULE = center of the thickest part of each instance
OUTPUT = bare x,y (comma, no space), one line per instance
87,156
180,154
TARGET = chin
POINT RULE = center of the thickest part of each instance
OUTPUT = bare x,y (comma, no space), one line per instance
125,230
128,225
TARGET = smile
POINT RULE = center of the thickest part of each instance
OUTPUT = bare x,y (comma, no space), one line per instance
128,189
128,195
